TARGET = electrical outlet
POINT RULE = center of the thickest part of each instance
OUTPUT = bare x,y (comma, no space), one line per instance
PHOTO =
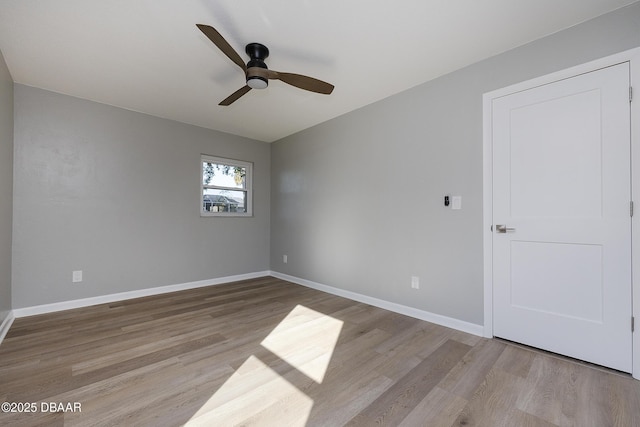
76,276
415,282
284,259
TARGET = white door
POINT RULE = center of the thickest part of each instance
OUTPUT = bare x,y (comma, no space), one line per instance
562,190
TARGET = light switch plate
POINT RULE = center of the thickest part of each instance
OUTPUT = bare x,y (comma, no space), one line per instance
456,202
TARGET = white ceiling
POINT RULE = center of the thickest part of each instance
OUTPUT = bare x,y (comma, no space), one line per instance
148,55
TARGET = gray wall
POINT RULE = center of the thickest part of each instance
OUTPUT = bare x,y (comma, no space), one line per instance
116,194
6,186
357,202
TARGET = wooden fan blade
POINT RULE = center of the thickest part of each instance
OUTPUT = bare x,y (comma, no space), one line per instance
234,96
302,82
222,44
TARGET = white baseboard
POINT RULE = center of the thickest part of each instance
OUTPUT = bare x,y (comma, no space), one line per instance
6,324
438,319
86,302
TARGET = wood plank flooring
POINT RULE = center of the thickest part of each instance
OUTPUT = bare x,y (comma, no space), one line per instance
266,352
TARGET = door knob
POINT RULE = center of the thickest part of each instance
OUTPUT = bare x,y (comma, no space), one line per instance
503,228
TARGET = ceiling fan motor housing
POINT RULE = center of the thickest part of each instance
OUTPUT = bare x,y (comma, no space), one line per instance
256,72
258,53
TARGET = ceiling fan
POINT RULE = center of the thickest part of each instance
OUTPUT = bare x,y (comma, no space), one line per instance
256,71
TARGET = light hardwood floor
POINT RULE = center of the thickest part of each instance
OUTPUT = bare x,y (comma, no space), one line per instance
268,352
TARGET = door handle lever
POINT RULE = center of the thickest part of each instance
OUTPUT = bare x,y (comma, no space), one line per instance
503,229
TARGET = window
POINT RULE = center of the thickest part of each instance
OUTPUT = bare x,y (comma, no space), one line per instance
226,187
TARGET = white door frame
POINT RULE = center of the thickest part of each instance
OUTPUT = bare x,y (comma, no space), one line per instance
633,57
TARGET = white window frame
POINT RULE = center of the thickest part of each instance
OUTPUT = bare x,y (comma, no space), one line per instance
248,186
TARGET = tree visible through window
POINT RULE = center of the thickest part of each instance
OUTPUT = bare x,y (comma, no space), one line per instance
226,187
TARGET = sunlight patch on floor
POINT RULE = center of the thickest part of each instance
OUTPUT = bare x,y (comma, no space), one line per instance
256,394
305,339
252,389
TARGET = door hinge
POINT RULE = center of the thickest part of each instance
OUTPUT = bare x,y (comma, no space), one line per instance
631,208
633,324
630,93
